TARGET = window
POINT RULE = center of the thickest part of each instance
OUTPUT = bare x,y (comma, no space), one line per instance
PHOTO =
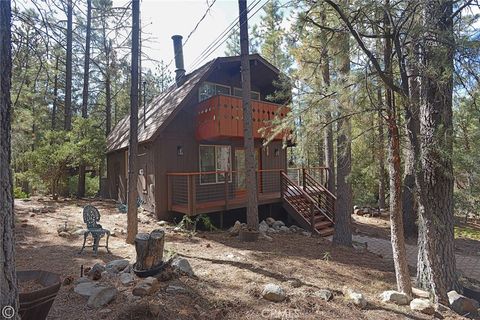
253,94
208,90
214,158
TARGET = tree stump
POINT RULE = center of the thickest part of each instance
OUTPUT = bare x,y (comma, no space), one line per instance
149,249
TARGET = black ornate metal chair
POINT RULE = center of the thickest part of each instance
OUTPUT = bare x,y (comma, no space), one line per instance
91,216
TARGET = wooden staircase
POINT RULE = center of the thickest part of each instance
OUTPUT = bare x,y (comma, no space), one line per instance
310,204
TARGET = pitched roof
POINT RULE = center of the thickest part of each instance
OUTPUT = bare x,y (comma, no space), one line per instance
164,107
157,112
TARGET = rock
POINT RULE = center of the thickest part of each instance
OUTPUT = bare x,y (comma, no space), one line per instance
131,297
234,231
273,292
126,278
263,227
86,289
420,293
270,221
294,229
271,230
102,297
116,266
128,269
356,298
145,287
295,283
422,305
182,265
67,281
175,289
461,304
284,229
306,234
395,297
277,224
324,294
64,234
265,237
95,273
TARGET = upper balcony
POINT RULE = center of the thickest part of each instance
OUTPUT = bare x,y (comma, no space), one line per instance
221,116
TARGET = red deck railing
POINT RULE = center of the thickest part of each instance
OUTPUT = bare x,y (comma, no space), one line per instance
222,116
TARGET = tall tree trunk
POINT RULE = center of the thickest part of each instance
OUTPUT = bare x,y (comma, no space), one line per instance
68,70
411,124
132,223
250,172
344,207
436,269
8,278
55,95
328,134
381,154
396,223
108,103
86,77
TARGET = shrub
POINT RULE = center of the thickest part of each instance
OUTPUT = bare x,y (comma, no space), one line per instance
18,193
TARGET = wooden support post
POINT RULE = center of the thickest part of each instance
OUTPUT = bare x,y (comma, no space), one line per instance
169,193
226,190
312,216
281,184
304,180
193,186
189,195
149,248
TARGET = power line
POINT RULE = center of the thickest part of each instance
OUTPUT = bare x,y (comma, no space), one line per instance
194,29
222,34
226,32
215,46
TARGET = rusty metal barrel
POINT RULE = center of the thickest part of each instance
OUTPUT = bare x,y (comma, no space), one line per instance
36,304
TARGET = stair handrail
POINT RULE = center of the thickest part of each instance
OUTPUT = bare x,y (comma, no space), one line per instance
333,198
320,186
306,195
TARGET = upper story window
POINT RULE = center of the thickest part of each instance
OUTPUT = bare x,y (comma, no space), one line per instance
253,94
208,89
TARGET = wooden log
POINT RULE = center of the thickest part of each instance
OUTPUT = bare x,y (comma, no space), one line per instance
155,248
149,248
141,246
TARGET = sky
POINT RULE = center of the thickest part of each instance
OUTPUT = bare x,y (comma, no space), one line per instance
161,19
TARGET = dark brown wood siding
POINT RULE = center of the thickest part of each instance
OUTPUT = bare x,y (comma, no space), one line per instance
117,176
160,156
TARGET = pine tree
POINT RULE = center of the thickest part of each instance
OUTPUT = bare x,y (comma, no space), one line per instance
272,36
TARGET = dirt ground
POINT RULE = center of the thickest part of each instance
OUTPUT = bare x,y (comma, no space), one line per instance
379,227
229,274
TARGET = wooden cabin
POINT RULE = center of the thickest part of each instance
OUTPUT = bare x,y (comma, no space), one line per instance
191,155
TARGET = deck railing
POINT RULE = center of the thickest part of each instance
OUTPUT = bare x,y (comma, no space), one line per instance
297,175
222,116
190,192
198,192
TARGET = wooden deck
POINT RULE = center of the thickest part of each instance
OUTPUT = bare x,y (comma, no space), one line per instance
239,201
